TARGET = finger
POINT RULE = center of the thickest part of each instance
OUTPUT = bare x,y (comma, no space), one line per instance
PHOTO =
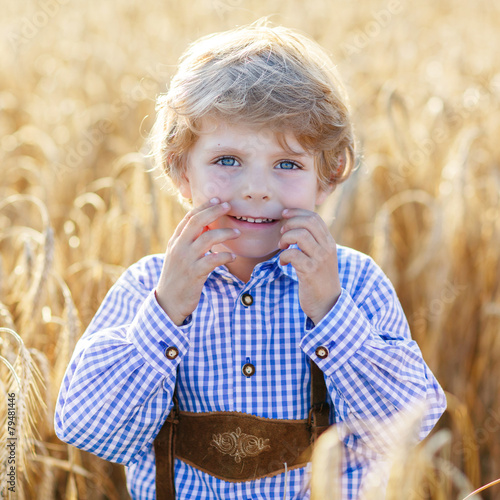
182,224
307,219
301,262
294,212
213,237
204,266
196,224
322,254
301,237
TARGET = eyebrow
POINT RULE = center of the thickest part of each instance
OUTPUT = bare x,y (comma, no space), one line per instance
232,150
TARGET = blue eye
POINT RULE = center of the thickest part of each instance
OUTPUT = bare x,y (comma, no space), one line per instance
288,165
225,161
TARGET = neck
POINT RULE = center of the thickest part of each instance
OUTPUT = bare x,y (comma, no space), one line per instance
242,267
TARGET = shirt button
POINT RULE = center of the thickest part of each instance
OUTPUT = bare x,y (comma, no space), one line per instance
248,369
246,299
322,352
171,352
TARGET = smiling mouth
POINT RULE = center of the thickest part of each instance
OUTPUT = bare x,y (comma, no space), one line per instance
257,220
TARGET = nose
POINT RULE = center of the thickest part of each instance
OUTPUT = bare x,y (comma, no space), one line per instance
256,185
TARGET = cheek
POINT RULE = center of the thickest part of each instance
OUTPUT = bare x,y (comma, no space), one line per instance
300,193
214,183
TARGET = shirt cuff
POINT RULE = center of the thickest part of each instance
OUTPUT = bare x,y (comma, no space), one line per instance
160,341
337,336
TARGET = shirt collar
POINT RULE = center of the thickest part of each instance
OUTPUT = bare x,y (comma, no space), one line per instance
288,269
266,268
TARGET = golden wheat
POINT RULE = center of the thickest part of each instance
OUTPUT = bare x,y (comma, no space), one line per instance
78,203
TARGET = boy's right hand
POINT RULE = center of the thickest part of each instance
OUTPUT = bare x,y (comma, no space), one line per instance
186,266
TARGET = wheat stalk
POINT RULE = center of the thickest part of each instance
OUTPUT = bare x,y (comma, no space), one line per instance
427,126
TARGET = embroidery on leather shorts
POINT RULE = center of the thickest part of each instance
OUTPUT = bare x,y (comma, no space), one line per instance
239,445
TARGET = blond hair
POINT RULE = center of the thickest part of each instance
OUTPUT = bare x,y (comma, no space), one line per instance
271,77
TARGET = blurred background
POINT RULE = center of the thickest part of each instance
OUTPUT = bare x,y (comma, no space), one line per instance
78,82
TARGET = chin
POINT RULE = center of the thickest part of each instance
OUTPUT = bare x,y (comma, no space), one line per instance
248,250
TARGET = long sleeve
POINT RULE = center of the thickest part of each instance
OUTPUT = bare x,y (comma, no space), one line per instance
374,370
118,387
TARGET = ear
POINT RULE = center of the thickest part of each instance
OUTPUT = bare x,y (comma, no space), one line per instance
184,186
322,194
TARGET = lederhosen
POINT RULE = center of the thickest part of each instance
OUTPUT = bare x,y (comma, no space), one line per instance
235,446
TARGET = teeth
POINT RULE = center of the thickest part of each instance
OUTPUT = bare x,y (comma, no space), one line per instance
257,221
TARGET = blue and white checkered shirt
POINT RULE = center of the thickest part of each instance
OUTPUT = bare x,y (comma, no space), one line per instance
117,390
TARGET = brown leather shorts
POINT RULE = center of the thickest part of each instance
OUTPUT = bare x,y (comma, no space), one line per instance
235,446
240,447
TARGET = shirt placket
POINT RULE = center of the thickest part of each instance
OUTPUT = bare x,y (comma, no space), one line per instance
246,337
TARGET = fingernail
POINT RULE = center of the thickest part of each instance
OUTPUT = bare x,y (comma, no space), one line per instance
285,211
214,201
225,205
282,229
237,231
233,255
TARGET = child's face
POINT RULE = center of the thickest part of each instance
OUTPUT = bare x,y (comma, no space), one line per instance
247,167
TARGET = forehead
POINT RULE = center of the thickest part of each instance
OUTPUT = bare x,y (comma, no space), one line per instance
218,135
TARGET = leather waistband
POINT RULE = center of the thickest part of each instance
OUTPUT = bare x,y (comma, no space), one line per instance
239,447
235,446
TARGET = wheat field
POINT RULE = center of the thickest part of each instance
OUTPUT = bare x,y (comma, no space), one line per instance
78,203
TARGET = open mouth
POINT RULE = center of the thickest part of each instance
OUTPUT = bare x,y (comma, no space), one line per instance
257,220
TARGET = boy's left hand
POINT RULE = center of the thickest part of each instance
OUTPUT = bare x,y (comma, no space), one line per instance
315,263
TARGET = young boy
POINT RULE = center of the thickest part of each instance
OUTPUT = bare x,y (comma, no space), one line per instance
255,133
